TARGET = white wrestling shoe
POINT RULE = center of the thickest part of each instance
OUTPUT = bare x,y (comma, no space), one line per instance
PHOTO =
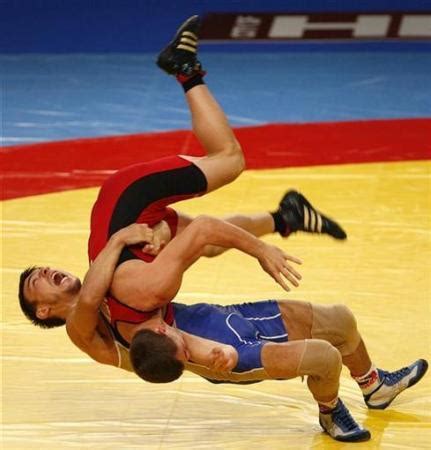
341,426
393,383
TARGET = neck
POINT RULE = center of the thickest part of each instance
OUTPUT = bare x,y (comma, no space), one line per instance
64,309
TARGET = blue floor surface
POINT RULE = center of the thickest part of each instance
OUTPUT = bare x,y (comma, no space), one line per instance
55,97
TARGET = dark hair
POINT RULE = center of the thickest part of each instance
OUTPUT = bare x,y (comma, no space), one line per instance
153,357
29,309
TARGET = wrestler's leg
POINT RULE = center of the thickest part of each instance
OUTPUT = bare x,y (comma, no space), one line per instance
225,160
321,363
315,358
256,224
334,323
287,219
337,325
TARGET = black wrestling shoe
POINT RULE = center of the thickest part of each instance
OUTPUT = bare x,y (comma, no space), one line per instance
299,215
179,57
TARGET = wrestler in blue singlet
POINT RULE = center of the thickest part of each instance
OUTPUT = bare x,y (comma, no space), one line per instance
245,326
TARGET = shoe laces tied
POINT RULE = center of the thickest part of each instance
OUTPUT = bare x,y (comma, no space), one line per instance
346,419
395,377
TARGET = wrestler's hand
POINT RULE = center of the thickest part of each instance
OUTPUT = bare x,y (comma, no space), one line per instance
223,358
275,262
155,247
162,235
136,233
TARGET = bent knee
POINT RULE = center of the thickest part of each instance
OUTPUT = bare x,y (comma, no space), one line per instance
345,318
337,325
236,159
320,359
348,330
333,361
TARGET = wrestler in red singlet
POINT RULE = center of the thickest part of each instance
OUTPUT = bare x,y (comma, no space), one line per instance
141,194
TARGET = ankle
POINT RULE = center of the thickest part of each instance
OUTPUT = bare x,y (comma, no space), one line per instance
369,381
327,407
280,224
189,82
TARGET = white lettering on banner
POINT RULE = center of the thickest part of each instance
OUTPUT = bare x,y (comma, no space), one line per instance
372,26
295,26
415,25
246,27
287,27
338,26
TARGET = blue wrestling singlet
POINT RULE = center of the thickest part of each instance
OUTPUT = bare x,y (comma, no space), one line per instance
245,326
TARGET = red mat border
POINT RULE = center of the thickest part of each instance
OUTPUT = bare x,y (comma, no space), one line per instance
64,165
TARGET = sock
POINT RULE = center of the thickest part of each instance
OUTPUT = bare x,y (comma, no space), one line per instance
327,407
369,381
280,224
190,82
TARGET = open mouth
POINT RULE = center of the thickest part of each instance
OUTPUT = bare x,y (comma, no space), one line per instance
58,278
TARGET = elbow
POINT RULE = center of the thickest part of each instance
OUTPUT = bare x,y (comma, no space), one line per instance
201,228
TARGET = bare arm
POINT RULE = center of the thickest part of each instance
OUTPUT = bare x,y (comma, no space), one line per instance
150,286
214,355
82,322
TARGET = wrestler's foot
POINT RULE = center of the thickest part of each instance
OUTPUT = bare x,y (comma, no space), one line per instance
299,215
393,383
179,57
341,426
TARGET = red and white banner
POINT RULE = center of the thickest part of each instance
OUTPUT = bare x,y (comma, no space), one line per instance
338,26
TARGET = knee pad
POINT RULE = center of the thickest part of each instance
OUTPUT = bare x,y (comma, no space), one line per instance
319,359
337,325
321,362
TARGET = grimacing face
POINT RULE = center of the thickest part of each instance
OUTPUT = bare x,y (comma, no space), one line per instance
45,284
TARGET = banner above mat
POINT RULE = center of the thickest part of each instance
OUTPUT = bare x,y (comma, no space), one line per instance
265,26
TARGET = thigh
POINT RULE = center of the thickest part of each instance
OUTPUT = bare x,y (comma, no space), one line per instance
282,360
297,318
219,170
144,197
142,193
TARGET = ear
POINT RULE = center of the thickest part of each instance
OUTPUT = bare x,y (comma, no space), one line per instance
42,312
160,329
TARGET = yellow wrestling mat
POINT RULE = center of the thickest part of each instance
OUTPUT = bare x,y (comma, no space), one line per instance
54,397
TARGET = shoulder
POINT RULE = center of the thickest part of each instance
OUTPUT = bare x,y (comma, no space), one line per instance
101,348
74,335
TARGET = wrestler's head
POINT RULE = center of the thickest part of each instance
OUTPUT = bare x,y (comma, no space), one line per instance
158,354
45,294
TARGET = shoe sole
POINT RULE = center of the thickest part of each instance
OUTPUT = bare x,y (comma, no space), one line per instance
412,382
365,436
361,438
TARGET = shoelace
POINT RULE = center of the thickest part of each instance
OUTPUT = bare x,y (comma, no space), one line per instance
346,419
395,377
